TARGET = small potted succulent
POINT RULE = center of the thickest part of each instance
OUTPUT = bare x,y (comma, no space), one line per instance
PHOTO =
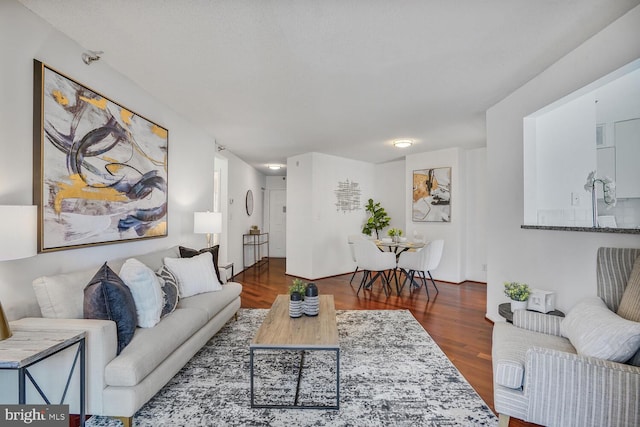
395,234
518,293
296,297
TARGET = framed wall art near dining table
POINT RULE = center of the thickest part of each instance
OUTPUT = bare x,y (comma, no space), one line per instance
431,195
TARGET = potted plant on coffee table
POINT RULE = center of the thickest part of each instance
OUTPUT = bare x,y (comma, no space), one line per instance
518,293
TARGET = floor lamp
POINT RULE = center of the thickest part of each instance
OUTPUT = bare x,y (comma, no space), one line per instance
17,240
207,223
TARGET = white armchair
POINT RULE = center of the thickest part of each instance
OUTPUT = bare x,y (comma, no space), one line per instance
370,259
540,377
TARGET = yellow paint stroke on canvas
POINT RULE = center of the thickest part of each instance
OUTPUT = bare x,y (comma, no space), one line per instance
126,115
60,98
158,230
99,103
162,133
78,189
114,168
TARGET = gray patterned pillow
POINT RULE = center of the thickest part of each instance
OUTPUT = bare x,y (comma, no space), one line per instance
106,297
169,285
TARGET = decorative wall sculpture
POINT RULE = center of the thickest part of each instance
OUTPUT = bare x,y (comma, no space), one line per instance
100,170
348,196
432,195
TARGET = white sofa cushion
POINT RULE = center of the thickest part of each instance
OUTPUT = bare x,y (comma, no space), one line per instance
596,331
195,275
150,346
146,291
212,302
62,296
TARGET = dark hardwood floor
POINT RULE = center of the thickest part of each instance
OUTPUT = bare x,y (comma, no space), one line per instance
454,317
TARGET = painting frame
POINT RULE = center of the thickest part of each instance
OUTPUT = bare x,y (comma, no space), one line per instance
100,170
431,195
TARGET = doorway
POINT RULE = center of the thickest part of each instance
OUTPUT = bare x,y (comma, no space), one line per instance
277,223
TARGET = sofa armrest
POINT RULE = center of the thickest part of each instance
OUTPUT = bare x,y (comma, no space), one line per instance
537,322
101,343
570,389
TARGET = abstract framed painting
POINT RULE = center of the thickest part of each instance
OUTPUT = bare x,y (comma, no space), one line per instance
100,170
431,195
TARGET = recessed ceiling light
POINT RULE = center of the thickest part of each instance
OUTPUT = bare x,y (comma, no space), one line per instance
274,167
402,143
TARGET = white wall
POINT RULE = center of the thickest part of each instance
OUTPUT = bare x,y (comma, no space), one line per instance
478,198
389,190
316,231
452,267
23,37
553,260
242,177
565,153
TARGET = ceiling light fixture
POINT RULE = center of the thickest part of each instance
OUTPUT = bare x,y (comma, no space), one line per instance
402,143
274,167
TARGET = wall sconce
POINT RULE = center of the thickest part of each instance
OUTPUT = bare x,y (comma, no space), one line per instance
18,239
207,223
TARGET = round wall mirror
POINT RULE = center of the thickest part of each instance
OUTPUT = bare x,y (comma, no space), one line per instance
249,202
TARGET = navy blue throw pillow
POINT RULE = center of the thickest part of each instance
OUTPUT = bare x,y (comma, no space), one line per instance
106,297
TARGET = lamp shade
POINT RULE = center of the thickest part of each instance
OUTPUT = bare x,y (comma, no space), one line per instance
18,232
207,222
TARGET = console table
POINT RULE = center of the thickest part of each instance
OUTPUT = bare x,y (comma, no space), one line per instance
26,348
259,245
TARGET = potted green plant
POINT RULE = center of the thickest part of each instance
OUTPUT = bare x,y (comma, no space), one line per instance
518,293
378,218
395,234
298,286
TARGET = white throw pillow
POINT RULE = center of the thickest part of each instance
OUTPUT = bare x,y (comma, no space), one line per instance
195,275
596,331
146,290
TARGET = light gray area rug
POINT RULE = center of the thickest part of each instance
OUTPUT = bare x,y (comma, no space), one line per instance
392,373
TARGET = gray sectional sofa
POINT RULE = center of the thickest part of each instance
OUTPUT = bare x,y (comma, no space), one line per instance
118,385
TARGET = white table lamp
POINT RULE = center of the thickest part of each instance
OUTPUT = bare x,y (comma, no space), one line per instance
207,223
18,239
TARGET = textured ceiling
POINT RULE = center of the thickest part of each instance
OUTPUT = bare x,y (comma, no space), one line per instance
272,79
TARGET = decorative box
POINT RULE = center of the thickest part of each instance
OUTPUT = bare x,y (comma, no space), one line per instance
254,231
541,300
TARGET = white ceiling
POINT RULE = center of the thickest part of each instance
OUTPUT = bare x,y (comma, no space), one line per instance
269,79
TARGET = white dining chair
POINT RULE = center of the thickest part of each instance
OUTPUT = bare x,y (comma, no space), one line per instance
371,260
352,239
421,263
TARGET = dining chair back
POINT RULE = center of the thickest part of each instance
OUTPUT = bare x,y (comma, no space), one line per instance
370,259
351,240
421,263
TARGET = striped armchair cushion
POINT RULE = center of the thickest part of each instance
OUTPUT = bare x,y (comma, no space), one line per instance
630,303
510,345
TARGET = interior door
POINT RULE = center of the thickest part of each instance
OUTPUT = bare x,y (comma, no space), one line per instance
277,223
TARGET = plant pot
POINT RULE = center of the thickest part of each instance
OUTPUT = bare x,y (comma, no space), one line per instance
518,305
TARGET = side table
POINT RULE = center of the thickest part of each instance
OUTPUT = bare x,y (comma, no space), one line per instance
26,348
504,310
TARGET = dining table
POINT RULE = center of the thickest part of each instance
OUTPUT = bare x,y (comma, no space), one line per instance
398,247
